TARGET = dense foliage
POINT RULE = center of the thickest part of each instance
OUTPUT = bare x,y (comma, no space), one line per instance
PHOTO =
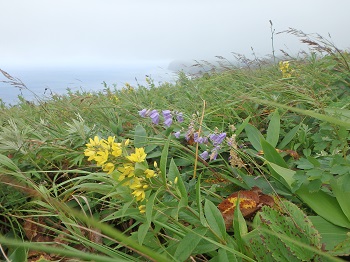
137,174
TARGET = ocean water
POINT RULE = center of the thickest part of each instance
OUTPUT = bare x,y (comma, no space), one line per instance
44,82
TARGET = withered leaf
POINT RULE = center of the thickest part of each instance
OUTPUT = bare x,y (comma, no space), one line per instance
250,201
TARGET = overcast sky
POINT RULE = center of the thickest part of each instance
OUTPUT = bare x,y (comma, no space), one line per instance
107,32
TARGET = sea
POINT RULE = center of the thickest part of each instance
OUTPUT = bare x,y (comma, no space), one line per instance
43,82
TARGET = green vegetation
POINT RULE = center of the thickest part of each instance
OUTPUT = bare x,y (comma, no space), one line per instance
137,174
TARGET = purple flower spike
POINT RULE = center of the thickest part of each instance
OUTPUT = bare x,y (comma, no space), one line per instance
217,138
154,115
214,152
177,134
204,155
179,117
143,112
168,122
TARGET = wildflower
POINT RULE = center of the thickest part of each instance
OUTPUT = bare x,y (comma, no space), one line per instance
109,167
177,134
284,68
142,209
127,170
214,152
168,119
139,155
175,180
179,117
143,112
204,155
154,115
199,139
167,114
101,157
217,138
168,122
94,143
139,189
149,173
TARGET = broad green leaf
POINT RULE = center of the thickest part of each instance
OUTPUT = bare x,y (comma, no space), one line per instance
188,244
140,137
215,219
239,226
142,232
284,173
288,137
254,136
324,205
331,234
164,160
199,201
271,154
19,254
173,171
4,160
341,195
242,126
273,130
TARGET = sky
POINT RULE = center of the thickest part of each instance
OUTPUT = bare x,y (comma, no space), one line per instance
98,33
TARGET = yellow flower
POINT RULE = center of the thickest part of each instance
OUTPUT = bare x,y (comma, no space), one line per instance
94,143
139,155
142,209
109,167
149,173
101,157
116,149
91,153
139,194
127,170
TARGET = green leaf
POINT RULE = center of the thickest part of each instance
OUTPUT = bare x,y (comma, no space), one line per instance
215,219
4,160
164,160
288,137
242,126
342,195
324,205
142,232
286,174
19,254
199,201
239,226
271,154
188,244
331,234
254,136
140,137
273,130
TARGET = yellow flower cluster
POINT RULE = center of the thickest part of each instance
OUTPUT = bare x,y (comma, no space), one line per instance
285,69
103,152
131,168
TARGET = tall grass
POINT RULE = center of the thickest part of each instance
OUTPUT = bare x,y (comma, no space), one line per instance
55,203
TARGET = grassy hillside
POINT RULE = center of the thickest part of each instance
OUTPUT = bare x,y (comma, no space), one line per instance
154,173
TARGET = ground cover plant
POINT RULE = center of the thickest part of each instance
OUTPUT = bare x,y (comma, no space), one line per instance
157,173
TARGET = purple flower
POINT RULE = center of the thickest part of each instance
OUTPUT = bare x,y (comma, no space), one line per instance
179,117
168,122
217,138
199,139
204,155
177,134
167,114
214,152
154,115
143,112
